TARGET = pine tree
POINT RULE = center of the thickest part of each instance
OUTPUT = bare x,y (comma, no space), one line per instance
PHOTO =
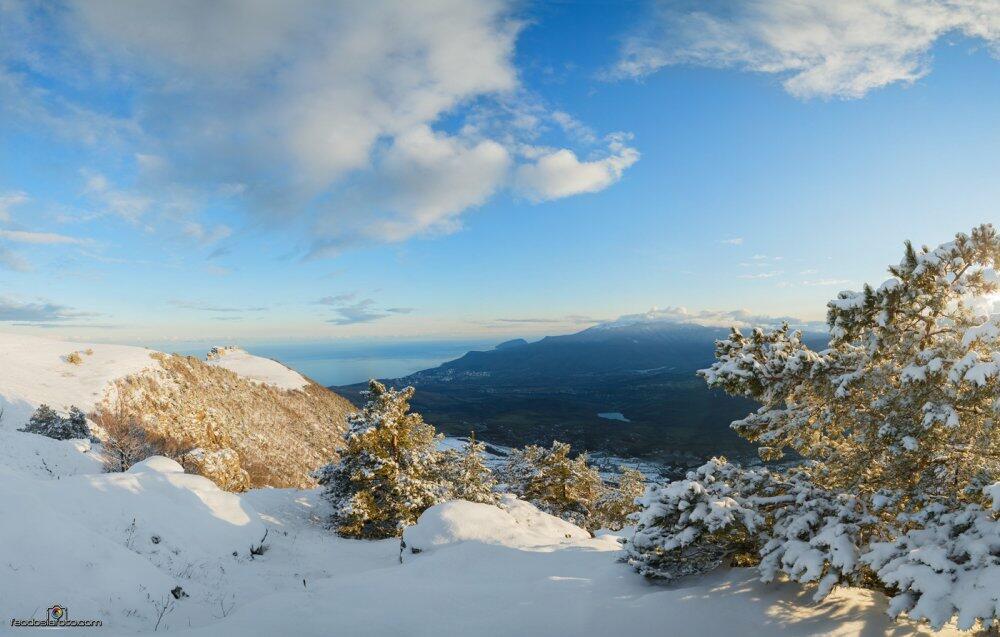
556,483
618,503
900,487
47,422
904,399
389,470
469,477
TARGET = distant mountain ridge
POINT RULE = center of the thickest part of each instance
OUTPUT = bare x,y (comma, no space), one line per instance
522,392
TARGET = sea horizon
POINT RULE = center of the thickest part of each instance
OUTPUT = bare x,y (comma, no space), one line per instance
338,363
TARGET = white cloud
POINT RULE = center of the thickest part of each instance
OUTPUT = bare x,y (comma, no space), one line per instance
123,203
9,200
735,241
37,312
203,235
427,179
759,275
39,238
367,119
560,173
715,318
819,48
13,261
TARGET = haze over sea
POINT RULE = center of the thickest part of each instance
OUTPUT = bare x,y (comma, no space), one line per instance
345,362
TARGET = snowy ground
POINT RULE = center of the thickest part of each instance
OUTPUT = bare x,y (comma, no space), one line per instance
112,547
37,370
261,370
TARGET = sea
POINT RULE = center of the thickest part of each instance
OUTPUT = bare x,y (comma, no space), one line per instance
346,362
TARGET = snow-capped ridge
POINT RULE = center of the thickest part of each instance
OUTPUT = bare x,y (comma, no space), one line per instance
255,368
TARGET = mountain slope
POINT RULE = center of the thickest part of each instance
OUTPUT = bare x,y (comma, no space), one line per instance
244,413
556,388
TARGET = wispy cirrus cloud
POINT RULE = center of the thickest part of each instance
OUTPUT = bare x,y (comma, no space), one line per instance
39,312
760,275
9,200
818,48
13,261
203,306
41,238
350,309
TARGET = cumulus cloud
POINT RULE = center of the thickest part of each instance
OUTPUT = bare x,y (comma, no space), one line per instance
819,48
560,173
426,179
360,118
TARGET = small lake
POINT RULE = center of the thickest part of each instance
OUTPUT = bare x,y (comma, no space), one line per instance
613,415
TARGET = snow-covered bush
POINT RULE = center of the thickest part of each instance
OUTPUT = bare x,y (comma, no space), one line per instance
550,479
221,466
47,422
389,470
896,422
467,475
696,524
948,565
812,535
619,501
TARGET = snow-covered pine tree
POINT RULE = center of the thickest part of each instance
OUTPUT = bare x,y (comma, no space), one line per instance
896,421
694,525
467,474
389,468
556,483
618,502
47,422
905,398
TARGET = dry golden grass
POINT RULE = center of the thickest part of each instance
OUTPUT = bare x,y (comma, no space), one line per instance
279,435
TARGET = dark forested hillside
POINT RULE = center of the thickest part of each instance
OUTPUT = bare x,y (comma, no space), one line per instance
640,377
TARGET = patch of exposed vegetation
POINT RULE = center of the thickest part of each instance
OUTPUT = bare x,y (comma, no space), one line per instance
269,436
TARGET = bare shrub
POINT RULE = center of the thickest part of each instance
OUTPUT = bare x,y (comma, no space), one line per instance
125,440
74,358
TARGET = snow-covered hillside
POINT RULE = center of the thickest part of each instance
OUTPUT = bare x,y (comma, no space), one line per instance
157,549
37,370
271,424
113,547
257,369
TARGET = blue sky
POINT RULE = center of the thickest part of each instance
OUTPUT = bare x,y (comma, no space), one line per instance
459,169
